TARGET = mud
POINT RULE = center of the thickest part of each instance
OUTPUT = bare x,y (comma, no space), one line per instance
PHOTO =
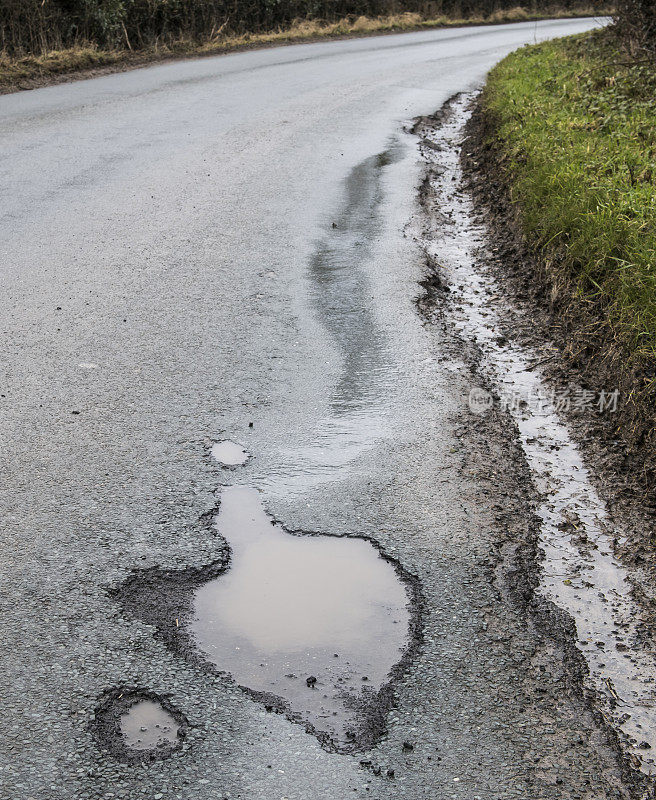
588,592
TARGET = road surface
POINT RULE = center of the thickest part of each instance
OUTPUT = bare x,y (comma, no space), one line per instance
223,248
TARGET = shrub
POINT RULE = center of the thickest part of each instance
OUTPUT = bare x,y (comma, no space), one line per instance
636,22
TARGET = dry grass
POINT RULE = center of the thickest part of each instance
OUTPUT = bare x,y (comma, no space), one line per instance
53,66
517,14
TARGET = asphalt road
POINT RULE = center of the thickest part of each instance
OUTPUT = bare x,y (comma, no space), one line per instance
170,274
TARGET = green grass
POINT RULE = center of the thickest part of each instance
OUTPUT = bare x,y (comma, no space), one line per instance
576,122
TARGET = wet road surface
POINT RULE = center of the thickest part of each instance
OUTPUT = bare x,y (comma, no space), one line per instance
222,250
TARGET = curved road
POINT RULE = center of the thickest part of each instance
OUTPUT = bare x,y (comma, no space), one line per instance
171,274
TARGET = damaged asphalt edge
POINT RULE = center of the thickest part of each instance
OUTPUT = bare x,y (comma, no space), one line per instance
515,267
515,569
163,599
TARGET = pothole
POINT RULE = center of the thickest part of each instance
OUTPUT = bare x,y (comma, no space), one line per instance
147,726
229,454
138,725
317,621
313,626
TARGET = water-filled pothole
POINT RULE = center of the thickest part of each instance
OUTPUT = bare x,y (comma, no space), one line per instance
316,627
138,725
229,454
316,621
148,726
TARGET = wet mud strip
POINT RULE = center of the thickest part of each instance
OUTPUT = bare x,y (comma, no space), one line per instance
575,352
582,348
571,580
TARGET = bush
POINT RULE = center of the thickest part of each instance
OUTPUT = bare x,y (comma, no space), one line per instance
636,22
33,27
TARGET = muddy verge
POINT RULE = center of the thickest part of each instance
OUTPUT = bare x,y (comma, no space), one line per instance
462,253
515,570
164,599
579,350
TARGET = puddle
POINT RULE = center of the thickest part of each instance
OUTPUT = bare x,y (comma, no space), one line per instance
147,726
138,725
340,298
316,627
579,571
229,454
317,622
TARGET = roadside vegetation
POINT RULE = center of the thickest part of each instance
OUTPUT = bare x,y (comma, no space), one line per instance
42,40
572,126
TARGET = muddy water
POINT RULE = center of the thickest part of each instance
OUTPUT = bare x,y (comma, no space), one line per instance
229,453
147,726
318,621
579,570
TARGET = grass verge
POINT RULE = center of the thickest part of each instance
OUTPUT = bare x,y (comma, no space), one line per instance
570,131
85,60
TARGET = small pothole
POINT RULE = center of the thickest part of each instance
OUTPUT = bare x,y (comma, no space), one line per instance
138,725
147,726
229,454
